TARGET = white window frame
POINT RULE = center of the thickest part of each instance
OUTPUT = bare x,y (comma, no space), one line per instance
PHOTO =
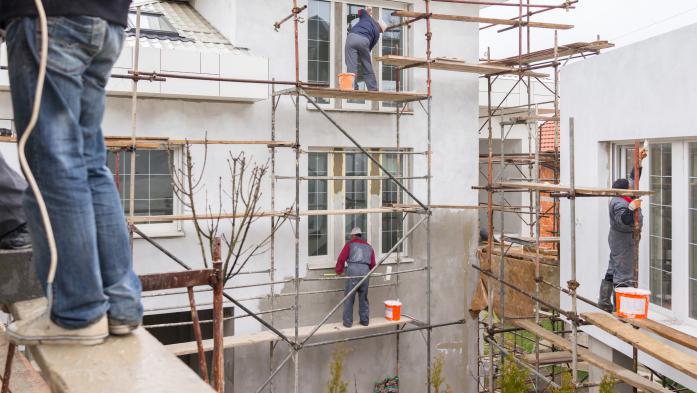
332,47
322,261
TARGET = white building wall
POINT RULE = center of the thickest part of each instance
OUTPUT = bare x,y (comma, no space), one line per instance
644,91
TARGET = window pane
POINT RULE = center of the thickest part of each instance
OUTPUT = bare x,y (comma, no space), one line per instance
318,42
392,223
692,181
317,199
356,194
392,44
661,225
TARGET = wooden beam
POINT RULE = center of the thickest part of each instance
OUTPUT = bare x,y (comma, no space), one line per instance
455,65
673,357
580,191
267,336
120,142
477,19
549,54
549,358
388,96
665,331
610,367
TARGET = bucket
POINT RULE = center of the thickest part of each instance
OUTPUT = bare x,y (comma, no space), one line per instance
632,302
346,80
393,310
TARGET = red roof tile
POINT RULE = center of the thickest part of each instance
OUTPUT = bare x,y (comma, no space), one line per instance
547,136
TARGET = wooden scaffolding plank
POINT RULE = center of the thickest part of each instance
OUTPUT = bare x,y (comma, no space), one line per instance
549,358
267,336
673,357
478,19
388,96
24,378
120,142
608,366
548,54
580,191
665,331
454,65
135,363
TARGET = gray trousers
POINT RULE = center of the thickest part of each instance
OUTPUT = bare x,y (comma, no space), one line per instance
358,49
357,270
12,186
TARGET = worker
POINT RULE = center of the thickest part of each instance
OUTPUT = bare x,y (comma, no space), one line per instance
358,258
14,234
361,39
95,291
620,271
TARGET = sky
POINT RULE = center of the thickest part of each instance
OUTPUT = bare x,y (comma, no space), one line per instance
621,22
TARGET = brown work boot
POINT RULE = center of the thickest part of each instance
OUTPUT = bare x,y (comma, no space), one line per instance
42,330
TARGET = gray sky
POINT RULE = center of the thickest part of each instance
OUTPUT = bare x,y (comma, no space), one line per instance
622,22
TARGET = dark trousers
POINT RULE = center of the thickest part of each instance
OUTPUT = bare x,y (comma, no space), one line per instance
357,270
12,185
358,49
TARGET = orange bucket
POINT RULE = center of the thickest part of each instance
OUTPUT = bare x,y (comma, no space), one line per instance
632,303
346,80
393,310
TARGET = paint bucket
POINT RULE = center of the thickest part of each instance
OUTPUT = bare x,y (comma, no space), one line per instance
632,302
393,310
346,80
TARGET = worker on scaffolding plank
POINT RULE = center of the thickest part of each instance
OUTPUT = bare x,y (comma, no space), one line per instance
95,291
620,271
358,259
14,234
361,39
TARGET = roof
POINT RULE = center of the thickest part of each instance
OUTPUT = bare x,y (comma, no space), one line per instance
547,130
195,31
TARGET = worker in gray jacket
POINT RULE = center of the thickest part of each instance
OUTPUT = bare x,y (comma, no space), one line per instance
620,271
361,39
358,258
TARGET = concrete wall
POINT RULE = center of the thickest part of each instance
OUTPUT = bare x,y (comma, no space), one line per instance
643,91
455,167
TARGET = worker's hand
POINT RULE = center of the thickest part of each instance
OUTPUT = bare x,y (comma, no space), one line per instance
369,10
635,204
643,153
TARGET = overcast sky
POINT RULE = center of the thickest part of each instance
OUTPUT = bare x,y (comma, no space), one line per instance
619,21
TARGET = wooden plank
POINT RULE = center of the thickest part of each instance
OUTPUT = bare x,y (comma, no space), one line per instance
477,19
119,142
611,368
454,65
24,378
267,336
673,357
136,363
665,331
580,191
548,54
549,358
389,96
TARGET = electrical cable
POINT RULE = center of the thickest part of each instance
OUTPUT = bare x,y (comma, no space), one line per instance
43,60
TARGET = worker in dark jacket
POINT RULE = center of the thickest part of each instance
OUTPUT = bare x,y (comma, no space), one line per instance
620,271
14,234
361,39
95,292
359,258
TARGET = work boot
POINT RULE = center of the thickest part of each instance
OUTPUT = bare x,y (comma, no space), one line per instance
605,298
17,239
121,328
42,330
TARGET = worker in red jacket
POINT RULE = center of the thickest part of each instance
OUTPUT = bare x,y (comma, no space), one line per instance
359,259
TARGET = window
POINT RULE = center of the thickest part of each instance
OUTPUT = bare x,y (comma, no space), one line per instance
154,193
392,44
151,23
391,229
660,209
318,42
317,198
692,184
356,196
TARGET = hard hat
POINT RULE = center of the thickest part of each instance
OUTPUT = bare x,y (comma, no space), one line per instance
356,231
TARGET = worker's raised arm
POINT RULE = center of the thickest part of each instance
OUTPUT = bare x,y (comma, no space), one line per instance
341,261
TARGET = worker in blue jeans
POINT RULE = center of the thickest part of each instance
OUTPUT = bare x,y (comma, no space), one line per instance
357,258
361,40
96,291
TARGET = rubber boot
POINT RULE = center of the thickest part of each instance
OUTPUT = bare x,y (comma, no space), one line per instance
605,298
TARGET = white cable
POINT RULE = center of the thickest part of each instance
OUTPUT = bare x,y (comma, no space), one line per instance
43,59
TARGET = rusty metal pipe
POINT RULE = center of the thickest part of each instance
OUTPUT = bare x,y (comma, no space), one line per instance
218,349
8,368
202,366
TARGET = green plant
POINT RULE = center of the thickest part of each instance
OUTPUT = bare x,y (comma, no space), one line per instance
566,386
437,379
607,385
336,370
513,377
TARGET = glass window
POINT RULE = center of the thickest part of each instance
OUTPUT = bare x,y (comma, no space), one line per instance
317,228
392,224
318,42
154,192
392,44
692,184
151,22
660,210
356,195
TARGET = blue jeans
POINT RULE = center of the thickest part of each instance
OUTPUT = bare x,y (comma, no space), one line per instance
67,155
357,270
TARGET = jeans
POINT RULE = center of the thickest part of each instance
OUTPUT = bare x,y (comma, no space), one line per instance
67,155
358,48
357,270
12,185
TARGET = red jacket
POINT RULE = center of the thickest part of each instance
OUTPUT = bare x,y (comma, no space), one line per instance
345,252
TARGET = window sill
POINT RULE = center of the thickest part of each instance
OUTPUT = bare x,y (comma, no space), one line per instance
159,232
324,265
383,111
